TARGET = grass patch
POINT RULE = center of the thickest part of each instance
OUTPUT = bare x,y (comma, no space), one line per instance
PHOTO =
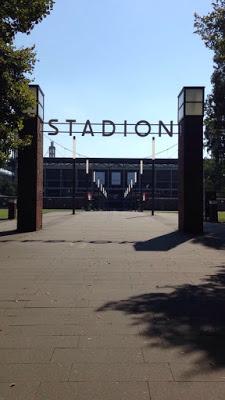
3,213
221,216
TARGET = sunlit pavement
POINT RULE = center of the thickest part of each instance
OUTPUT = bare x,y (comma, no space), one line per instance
112,305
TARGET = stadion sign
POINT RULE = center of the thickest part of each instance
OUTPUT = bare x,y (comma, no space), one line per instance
108,128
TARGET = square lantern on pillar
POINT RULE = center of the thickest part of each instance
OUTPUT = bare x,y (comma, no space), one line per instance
191,102
38,109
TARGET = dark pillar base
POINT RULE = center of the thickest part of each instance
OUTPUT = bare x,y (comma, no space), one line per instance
190,166
30,179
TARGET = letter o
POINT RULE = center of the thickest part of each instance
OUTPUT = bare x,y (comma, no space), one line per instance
142,134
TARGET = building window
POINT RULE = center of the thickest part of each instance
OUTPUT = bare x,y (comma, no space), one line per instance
130,177
116,178
101,176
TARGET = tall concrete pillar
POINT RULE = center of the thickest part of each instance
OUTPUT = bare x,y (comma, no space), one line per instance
190,160
30,170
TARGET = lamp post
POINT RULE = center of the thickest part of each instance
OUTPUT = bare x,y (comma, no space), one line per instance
135,193
153,176
93,187
131,187
140,183
98,185
74,175
190,162
87,179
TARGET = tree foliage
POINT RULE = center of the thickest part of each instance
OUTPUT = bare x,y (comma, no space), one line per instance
7,187
211,28
214,176
16,65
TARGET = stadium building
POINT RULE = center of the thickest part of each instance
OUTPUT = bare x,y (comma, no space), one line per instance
110,183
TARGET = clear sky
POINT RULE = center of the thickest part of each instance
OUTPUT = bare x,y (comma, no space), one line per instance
118,60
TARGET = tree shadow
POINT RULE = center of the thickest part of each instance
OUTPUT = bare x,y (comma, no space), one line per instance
214,236
190,318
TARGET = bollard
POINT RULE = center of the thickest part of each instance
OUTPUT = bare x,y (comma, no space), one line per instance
12,209
213,215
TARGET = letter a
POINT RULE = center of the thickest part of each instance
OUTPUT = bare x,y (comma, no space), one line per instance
88,128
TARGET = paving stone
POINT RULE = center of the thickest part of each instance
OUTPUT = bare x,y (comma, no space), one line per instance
34,372
88,328
56,302
113,390
97,355
57,391
40,342
18,390
113,341
25,355
187,391
90,391
121,372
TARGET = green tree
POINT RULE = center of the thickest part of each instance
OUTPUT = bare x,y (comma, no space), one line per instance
214,176
211,28
7,187
16,65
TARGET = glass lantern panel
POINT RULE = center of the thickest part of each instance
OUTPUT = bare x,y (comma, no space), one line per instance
181,99
32,111
194,109
40,98
40,111
194,95
181,113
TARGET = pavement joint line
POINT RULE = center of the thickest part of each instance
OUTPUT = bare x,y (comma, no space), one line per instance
53,351
78,341
70,372
149,390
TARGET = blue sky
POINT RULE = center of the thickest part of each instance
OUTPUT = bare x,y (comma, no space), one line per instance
118,60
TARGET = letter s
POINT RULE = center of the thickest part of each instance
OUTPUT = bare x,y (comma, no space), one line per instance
50,123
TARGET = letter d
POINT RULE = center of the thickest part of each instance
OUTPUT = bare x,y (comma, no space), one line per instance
106,122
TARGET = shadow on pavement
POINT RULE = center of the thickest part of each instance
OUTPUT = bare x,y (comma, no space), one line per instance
163,243
190,318
8,233
214,237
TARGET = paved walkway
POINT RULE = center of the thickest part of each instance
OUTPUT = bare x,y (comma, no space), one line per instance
112,306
